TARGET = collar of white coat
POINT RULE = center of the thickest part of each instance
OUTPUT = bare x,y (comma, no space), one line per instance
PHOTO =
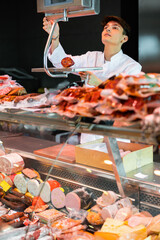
115,57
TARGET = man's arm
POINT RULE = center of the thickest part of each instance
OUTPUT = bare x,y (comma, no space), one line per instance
55,39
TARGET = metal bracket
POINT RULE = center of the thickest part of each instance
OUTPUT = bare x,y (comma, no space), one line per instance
64,18
125,188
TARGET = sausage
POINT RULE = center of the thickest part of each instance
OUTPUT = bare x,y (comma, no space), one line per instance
67,62
58,198
80,198
18,222
27,200
15,206
14,198
13,216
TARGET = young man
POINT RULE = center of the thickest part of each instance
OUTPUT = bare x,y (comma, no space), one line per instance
113,61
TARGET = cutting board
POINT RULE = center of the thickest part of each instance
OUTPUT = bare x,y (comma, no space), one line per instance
67,155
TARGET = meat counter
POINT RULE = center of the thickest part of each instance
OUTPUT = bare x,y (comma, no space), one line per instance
143,191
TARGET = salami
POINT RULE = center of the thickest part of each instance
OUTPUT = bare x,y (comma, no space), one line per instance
67,62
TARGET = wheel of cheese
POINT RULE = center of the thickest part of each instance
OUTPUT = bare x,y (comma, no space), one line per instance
58,198
33,186
21,183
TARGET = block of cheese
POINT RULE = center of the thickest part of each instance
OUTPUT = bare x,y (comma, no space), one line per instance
136,233
110,225
122,230
105,235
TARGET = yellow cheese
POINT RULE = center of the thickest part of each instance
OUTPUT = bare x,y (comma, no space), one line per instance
111,224
137,233
105,236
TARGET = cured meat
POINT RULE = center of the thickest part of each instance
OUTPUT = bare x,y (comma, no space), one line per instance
29,173
13,205
11,163
123,213
8,217
67,62
58,198
5,90
78,199
46,188
36,209
20,181
34,186
107,198
18,222
64,224
20,98
27,200
94,216
138,220
50,215
37,234
76,234
13,198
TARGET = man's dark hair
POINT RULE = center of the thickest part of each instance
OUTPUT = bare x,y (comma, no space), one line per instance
122,22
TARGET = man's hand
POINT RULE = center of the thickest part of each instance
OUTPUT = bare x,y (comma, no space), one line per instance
47,27
90,78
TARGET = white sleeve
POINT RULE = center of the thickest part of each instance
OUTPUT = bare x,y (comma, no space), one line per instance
57,55
84,60
133,69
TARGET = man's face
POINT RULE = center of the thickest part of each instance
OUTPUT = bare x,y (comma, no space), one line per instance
113,33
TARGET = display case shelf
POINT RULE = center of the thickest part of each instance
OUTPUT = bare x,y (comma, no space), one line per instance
53,121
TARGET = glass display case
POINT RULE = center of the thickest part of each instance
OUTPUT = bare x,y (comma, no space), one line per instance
141,185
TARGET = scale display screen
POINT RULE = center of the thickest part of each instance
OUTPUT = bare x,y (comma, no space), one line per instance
74,8
56,2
